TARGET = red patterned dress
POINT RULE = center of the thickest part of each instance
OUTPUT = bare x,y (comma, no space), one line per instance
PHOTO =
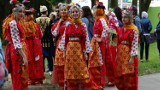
35,61
15,36
126,73
111,47
58,72
97,63
77,45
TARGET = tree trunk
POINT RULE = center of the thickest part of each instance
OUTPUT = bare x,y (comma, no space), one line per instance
93,2
114,3
144,5
134,2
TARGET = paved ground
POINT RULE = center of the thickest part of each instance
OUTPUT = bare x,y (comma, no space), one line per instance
146,82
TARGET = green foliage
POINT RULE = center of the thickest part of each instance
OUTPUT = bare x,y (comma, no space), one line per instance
153,16
55,2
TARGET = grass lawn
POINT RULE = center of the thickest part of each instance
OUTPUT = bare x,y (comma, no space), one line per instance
153,66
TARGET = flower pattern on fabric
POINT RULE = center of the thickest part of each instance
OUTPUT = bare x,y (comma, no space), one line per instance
15,34
100,56
55,32
134,48
88,47
61,44
105,28
113,21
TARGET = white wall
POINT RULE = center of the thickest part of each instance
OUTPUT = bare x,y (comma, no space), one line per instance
105,2
82,2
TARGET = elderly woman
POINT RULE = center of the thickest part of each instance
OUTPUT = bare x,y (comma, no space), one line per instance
57,31
16,54
127,51
146,29
77,45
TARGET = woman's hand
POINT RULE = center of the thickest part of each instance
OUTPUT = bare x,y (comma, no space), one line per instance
98,39
131,61
25,61
86,56
60,21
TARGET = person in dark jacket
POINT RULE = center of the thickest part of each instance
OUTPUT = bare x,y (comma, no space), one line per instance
157,30
146,29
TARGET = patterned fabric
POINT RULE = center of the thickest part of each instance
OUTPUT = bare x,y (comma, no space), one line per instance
13,59
127,82
59,59
88,47
58,75
123,57
127,74
96,76
35,61
95,57
43,22
100,30
134,48
105,28
112,20
15,34
75,67
124,51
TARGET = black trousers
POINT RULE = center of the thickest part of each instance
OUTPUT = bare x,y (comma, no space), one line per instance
146,45
49,54
158,45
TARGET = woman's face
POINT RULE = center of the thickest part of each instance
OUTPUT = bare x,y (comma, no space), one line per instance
125,19
75,13
19,14
63,11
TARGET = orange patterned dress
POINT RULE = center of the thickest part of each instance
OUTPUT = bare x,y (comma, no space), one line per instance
97,63
126,74
58,72
75,70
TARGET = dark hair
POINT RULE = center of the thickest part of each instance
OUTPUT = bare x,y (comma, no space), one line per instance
134,8
118,13
87,12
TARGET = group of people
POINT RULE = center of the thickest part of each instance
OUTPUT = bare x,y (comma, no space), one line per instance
92,49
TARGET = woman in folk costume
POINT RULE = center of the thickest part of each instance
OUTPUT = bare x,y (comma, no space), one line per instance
33,40
97,63
16,51
57,31
111,47
127,51
75,43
